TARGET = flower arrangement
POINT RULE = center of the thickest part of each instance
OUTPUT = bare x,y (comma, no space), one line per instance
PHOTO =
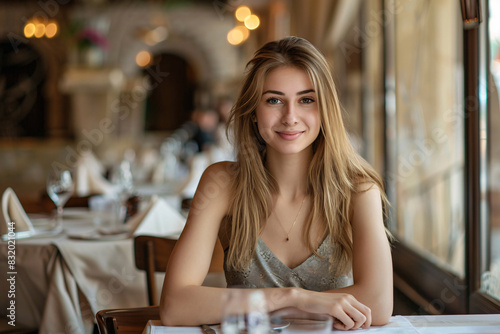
87,38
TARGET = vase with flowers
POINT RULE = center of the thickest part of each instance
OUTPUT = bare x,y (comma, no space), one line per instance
91,46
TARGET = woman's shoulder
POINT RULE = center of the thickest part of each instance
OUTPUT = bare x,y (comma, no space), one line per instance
221,172
366,185
217,179
213,193
223,165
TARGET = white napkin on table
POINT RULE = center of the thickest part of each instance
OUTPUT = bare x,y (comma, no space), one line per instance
88,176
13,211
159,218
198,164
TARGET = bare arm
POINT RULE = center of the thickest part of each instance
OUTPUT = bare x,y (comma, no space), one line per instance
372,262
183,300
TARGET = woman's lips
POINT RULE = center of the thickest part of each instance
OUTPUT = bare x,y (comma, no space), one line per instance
290,135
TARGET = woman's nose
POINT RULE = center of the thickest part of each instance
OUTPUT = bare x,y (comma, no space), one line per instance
289,115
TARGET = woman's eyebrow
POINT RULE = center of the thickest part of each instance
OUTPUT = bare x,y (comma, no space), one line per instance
273,92
281,93
306,91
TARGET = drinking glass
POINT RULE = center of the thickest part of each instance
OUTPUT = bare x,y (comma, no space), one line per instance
123,178
60,187
108,214
245,312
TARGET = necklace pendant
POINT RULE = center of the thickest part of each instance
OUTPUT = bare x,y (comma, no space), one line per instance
287,239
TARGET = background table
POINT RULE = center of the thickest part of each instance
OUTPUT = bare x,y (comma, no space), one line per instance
61,283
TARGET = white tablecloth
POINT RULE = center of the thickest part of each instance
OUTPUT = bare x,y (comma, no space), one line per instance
441,324
61,283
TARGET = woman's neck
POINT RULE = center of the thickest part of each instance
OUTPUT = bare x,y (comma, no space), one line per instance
290,172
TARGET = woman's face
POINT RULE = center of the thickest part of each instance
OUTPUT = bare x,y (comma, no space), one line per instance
287,114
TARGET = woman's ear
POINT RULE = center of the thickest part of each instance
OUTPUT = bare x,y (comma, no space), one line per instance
254,117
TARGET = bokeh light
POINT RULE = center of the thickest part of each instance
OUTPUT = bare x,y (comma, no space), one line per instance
244,31
29,30
143,58
252,22
51,30
39,30
156,36
235,36
242,13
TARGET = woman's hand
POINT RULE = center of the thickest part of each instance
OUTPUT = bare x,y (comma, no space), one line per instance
347,311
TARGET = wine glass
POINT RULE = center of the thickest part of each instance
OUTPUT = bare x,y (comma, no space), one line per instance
60,187
123,180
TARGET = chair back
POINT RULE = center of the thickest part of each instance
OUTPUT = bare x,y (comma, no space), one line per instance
152,255
126,320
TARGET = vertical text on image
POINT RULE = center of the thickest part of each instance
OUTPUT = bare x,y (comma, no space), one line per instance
11,273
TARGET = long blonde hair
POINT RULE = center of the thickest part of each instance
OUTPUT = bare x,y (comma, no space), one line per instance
335,172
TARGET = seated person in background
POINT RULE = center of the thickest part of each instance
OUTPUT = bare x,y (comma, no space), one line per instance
300,214
206,121
224,133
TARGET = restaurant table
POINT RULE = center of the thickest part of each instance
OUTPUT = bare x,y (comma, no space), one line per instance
62,281
423,324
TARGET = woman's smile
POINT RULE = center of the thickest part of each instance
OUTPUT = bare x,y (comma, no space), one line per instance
289,135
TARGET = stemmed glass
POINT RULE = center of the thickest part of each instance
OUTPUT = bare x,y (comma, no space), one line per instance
122,179
60,187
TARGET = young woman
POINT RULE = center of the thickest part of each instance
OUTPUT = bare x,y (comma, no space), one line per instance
299,214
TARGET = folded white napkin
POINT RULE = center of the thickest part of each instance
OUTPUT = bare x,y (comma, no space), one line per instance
159,218
88,176
198,164
12,211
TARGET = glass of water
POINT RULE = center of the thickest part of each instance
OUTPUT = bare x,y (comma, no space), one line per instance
245,311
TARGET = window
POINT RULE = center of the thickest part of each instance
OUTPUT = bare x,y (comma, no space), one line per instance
490,156
443,153
426,127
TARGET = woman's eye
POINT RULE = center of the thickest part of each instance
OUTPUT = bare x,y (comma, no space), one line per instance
273,100
307,100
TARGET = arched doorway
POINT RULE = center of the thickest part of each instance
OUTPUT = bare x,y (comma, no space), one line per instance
171,101
22,102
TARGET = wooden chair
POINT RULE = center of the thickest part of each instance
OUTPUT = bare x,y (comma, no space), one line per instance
126,320
152,255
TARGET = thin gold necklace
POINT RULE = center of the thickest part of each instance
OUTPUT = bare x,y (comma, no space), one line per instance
294,221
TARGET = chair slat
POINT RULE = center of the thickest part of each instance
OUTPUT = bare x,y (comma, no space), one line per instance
153,253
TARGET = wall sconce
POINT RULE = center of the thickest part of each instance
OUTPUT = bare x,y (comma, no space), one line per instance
471,13
37,29
240,33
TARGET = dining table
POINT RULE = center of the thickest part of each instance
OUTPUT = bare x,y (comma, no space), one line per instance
57,282
398,324
61,280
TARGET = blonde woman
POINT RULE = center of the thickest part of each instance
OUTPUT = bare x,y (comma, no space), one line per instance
299,214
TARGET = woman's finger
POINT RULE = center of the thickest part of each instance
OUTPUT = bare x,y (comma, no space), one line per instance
352,315
357,317
343,322
366,320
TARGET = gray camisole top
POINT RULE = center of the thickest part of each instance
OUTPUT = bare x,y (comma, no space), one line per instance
267,271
